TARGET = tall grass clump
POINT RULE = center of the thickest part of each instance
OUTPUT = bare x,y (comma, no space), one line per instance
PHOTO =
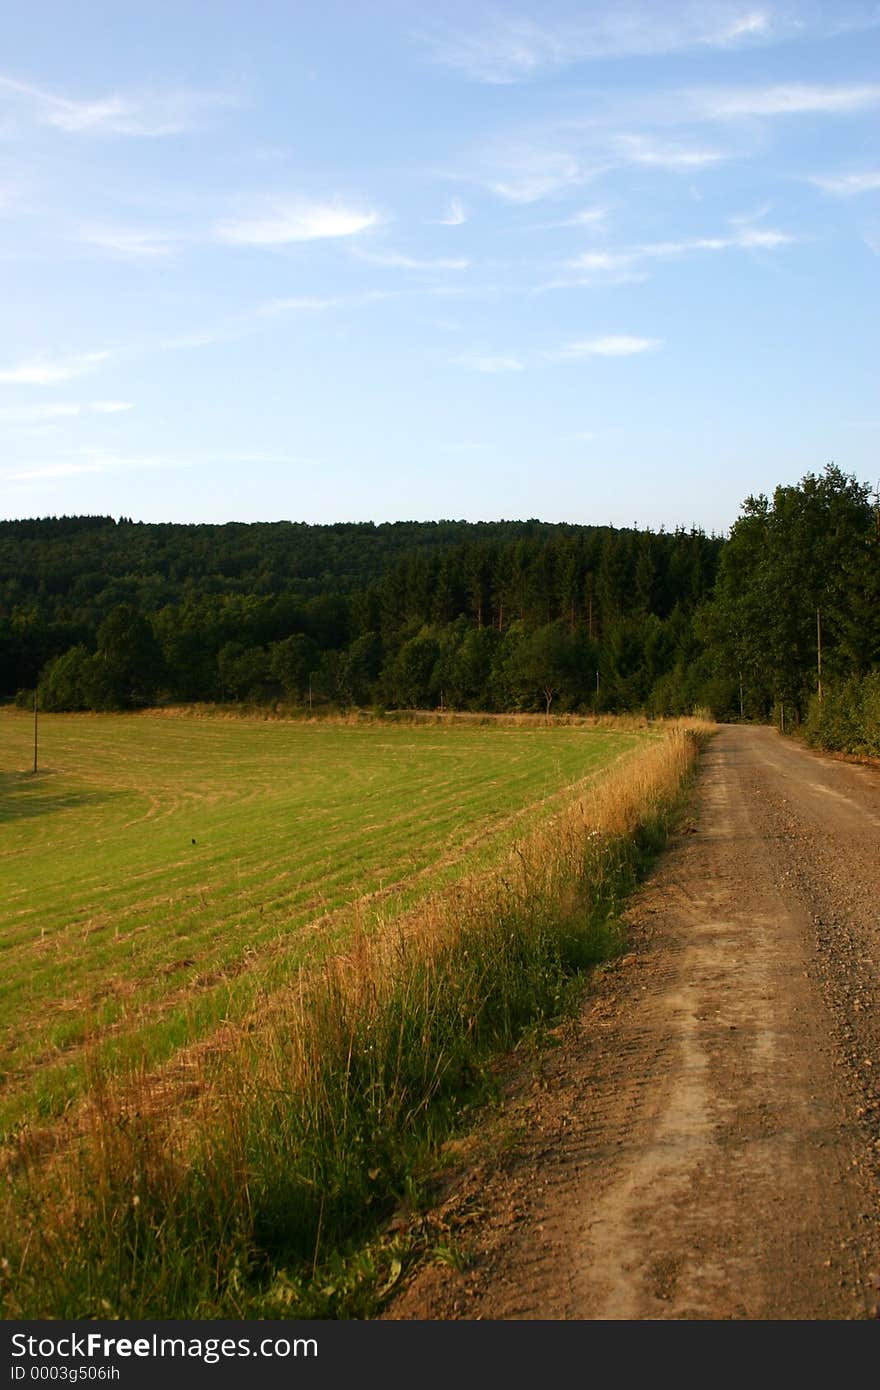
259,1197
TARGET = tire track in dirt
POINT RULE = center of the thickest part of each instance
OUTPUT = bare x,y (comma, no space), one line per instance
704,1143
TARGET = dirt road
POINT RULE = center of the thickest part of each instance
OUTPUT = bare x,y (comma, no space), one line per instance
705,1140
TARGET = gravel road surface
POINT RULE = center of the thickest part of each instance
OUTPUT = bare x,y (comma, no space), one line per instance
704,1141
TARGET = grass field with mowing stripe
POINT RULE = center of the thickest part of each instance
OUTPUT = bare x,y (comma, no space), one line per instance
161,874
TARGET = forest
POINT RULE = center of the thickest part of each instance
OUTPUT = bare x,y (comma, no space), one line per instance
782,617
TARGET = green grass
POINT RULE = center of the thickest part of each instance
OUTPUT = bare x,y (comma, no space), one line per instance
161,874
270,1196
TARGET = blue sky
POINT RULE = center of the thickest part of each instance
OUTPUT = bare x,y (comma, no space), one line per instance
603,263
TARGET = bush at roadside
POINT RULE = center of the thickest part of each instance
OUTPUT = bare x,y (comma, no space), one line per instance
847,719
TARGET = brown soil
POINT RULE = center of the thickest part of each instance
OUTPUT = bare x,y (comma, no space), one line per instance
704,1142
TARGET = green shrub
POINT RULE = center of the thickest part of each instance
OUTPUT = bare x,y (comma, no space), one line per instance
847,719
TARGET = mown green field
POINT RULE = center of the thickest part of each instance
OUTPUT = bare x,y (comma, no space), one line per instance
161,874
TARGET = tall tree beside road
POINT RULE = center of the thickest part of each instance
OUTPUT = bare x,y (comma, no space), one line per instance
805,562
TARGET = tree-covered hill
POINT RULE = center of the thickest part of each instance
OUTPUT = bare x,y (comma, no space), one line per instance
491,615
402,613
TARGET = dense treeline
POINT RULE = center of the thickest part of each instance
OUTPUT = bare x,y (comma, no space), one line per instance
795,615
108,614
505,615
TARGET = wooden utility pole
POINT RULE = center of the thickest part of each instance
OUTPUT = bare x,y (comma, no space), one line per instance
35,728
819,648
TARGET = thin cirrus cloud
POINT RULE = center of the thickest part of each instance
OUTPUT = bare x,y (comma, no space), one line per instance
36,414
284,224
587,217
529,174
43,373
524,172
296,304
313,304
147,114
95,461
515,49
785,99
309,304
639,149
395,260
241,325
491,366
91,461
46,471
848,185
611,345
630,261
293,221
455,214
39,414
131,243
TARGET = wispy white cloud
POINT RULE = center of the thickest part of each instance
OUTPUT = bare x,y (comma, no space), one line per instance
586,220
281,223
296,304
586,217
603,262
507,49
759,239
38,414
146,113
91,461
44,373
241,325
79,462
619,265
395,260
526,174
313,304
512,51
641,149
491,365
612,345
462,446
11,193
848,185
560,158
131,243
744,219
41,472
786,99
286,221
743,26
197,338
455,214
